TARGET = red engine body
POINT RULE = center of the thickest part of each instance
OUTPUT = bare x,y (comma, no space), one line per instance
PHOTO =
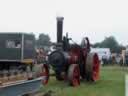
76,54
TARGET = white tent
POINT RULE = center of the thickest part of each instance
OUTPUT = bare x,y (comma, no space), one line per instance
102,52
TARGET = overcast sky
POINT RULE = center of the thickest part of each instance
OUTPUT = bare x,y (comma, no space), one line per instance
93,18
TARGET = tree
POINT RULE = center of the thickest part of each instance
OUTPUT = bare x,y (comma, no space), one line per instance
43,40
96,45
120,48
110,42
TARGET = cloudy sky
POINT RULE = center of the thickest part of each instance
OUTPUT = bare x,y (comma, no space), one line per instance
93,18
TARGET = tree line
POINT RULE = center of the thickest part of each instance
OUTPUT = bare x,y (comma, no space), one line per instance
108,42
43,40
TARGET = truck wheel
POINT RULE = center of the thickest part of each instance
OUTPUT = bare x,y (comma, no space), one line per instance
92,67
45,73
74,75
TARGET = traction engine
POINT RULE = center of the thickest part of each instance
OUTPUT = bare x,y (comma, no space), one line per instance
72,62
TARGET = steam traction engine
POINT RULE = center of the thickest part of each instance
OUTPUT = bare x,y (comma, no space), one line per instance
72,61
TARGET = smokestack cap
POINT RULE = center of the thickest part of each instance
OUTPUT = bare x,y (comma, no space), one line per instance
60,18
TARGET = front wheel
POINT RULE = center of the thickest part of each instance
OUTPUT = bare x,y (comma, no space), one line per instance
74,75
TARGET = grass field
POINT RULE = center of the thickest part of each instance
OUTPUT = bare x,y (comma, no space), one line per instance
111,83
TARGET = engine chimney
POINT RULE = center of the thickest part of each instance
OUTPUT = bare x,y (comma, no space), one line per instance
59,29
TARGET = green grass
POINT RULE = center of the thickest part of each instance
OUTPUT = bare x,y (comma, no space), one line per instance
111,83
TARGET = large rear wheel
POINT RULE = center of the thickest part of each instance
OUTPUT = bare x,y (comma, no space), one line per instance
92,67
74,75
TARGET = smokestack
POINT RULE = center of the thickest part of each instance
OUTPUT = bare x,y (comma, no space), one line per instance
59,29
